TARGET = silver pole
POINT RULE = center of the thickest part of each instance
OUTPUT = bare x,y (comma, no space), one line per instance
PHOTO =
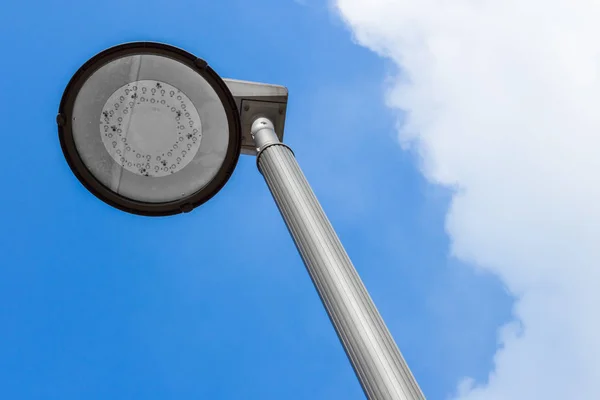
376,359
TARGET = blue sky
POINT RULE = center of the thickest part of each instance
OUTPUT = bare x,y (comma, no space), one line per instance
96,303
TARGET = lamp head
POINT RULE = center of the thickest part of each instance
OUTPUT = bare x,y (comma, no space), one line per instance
149,128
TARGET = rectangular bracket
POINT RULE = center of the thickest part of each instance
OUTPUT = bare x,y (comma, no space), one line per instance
256,100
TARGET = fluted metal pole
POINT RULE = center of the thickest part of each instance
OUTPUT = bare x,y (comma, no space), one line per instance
376,359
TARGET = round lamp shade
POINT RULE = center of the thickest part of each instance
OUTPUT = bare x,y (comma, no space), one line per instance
149,128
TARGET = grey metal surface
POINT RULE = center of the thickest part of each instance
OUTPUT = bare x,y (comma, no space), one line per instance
376,359
255,100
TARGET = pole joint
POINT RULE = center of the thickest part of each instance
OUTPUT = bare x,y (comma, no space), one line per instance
263,133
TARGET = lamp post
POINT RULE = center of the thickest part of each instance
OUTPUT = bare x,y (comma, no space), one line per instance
153,130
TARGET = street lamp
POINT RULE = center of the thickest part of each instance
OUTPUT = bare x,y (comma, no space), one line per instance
152,130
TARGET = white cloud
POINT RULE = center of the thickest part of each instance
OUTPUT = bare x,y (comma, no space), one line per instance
502,103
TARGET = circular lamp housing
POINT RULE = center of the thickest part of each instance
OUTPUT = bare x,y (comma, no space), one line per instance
149,129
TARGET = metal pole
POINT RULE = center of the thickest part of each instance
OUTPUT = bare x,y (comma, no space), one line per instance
376,359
